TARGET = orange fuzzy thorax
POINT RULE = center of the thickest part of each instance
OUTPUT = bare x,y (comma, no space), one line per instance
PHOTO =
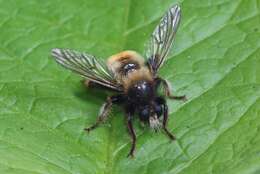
116,61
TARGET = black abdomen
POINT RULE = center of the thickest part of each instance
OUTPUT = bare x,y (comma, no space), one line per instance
141,92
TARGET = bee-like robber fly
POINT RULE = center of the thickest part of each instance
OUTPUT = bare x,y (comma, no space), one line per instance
134,79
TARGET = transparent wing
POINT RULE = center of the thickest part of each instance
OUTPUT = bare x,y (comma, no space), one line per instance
87,66
162,38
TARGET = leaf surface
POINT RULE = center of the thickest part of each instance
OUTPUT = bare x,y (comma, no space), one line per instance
44,108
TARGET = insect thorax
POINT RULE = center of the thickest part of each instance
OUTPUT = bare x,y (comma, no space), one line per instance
124,62
140,92
128,67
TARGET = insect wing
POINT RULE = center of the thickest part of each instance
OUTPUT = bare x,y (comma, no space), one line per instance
87,66
162,38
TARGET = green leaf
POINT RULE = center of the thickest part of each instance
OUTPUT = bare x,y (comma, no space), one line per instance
44,108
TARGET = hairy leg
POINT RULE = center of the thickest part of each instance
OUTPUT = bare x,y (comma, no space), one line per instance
104,111
165,120
131,133
161,101
167,89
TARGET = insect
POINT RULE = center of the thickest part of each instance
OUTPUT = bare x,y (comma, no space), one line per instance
133,79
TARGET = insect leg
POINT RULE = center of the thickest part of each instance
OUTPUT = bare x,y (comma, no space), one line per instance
133,137
104,111
131,133
165,119
161,101
167,89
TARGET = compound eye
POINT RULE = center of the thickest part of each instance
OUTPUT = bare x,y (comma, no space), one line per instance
158,110
144,114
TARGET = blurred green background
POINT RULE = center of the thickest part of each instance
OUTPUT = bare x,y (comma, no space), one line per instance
44,108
